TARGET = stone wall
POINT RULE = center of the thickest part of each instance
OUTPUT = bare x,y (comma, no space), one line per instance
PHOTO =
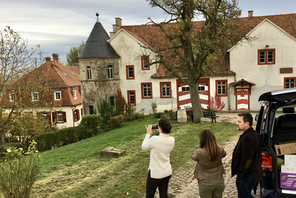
99,86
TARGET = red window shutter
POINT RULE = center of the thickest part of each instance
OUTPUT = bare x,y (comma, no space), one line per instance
74,116
81,111
78,116
54,117
64,117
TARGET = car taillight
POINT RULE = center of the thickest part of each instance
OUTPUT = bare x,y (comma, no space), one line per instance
266,164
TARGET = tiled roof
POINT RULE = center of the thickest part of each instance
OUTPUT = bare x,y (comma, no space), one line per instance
58,77
97,46
153,36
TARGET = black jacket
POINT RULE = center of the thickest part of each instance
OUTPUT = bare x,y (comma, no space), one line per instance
248,149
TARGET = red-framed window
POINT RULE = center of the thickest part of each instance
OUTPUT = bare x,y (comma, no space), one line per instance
76,116
59,117
145,63
266,56
165,90
131,97
289,82
221,88
146,89
130,72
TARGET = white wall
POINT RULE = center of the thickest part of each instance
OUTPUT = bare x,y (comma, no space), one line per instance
244,60
130,52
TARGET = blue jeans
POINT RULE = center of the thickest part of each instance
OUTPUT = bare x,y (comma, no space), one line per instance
244,188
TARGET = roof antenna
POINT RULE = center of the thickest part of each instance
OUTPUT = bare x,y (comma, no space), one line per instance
97,14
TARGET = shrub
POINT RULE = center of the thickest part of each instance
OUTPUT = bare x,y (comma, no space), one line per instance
121,104
19,171
154,107
115,122
88,127
216,104
106,110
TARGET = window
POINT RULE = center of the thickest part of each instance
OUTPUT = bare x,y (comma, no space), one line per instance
73,90
12,97
88,73
165,90
289,82
59,117
185,89
91,109
145,62
266,56
130,74
110,72
131,97
76,116
58,94
146,90
35,96
112,100
201,88
221,87
46,116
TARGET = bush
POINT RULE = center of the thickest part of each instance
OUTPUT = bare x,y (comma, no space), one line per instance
106,110
19,171
121,104
115,122
88,127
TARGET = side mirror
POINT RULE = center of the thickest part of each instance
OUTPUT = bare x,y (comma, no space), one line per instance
256,117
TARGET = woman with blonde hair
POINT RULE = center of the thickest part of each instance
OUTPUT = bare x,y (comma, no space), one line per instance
209,168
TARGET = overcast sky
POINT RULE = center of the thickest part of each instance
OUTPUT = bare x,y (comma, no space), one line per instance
58,25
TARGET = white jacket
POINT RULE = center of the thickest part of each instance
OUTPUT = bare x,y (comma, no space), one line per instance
161,147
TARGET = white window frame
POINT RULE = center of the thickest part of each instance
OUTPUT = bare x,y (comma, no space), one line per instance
74,93
110,72
56,93
12,96
35,96
60,117
88,73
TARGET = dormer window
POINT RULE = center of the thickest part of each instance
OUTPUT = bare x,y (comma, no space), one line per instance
88,73
58,94
110,72
35,96
12,97
73,90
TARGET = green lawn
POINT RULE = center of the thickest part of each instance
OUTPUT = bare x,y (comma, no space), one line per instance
78,170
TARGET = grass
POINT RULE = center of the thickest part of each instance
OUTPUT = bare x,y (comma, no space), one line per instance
78,170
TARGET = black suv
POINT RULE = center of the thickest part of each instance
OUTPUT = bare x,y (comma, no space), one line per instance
276,123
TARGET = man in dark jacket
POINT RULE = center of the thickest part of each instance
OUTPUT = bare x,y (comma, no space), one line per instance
246,157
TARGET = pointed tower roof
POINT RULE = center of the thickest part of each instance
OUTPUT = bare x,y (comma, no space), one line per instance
96,45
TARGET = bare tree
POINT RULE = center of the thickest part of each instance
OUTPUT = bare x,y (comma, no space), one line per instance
17,60
194,40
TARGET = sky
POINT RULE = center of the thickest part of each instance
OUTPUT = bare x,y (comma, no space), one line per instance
58,25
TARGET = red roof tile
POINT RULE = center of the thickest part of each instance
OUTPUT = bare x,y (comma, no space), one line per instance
152,36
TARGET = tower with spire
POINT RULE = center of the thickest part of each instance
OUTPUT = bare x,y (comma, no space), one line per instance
99,68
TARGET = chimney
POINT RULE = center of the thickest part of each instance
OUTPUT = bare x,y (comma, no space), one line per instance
116,26
48,63
55,58
250,13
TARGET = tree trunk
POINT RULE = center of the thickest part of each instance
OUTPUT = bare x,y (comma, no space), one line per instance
2,137
195,102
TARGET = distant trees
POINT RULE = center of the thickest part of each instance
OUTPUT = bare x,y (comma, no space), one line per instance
72,55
